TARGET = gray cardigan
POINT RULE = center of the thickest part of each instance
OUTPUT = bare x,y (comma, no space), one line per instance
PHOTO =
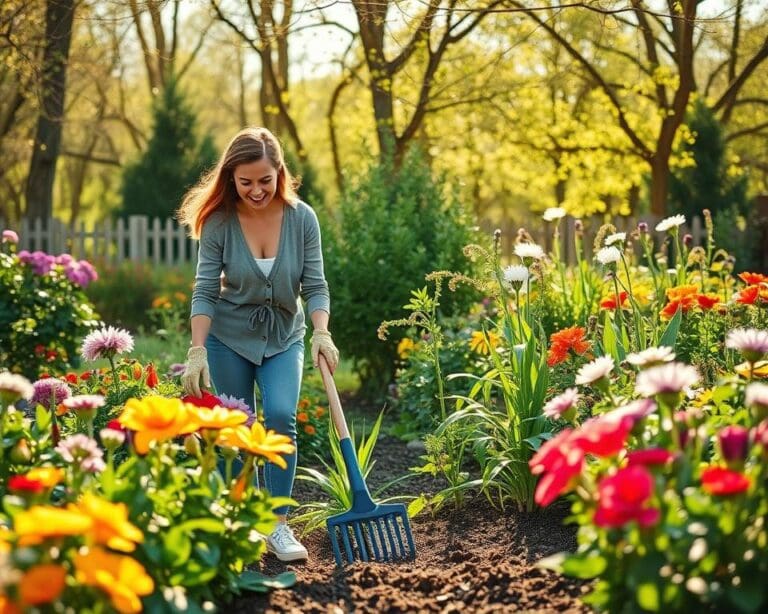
255,315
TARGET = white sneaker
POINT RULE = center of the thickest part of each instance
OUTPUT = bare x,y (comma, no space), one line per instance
284,545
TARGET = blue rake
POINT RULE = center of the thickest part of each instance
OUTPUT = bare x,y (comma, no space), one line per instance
367,531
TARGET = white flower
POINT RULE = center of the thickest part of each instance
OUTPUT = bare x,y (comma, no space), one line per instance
553,213
14,387
671,377
756,395
608,255
651,356
616,236
751,342
516,274
557,406
529,250
596,370
669,223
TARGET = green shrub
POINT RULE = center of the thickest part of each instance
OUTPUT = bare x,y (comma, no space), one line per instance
393,228
44,313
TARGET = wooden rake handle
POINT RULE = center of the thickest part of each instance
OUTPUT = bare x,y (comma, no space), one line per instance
337,414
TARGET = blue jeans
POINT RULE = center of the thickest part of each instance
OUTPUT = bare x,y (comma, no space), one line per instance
279,381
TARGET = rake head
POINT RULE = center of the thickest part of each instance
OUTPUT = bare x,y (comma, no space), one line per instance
381,534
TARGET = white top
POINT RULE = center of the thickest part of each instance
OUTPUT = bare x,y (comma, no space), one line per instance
265,264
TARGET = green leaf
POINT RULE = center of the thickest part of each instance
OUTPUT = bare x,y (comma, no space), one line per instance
177,546
669,336
584,565
259,583
647,595
417,505
42,417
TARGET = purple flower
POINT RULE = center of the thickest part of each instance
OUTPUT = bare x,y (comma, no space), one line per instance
734,443
176,369
40,262
106,342
83,451
80,272
563,405
49,391
752,343
230,402
14,387
672,377
9,236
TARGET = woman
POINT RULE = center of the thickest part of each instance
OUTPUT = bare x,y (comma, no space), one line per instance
248,326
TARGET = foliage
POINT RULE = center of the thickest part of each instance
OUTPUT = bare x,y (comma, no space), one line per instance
154,184
44,311
391,231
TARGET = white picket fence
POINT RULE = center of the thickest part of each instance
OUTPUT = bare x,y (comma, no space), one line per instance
140,239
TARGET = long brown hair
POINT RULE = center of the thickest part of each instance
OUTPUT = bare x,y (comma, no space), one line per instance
217,189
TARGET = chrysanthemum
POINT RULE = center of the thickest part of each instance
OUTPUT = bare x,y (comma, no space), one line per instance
670,223
516,274
562,403
672,377
568,340
83,451
615,237
49,391
529,250
14,387
106,342
752,343
608,255
553,213
600,368
651,357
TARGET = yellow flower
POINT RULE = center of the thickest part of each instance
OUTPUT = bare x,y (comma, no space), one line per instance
43,521
257,440
42,584
760,369
156,418
110,523
47,476
680,292
405,347
5,534
216,418
118,575
481,344
642,293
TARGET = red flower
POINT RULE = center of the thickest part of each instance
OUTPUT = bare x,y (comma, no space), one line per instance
610,301
622,498
85,376
560,462
670,309
71,378
603,435
707,301
152,379
748,295
208,400
21,483
565,341
752,279
723,482
651,456
115,425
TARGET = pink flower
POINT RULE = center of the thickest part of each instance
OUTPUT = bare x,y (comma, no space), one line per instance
635,410
604,435
84,402
651,357
756,395
14,387
752,343
82,451
623,498
560,463
49,391
650,456
672,377
563,405
723,482
734,443
106,342
10,236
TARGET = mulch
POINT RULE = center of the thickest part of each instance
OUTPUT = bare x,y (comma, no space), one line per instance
474,559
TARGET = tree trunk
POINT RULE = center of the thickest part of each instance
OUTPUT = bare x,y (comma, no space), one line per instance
659,184
42,169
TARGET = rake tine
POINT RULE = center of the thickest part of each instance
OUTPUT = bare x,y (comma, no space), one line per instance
383,543
361,542
335,546
372,538
347,545
399,536
409,537
390,536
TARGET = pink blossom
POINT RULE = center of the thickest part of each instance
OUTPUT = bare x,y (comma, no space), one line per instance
10,236
83,451
49,391
562,404
734,443
106,342
668,378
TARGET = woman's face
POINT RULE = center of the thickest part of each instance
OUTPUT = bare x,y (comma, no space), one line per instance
256,183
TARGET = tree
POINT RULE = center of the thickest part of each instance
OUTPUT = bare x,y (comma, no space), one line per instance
59,15
173,161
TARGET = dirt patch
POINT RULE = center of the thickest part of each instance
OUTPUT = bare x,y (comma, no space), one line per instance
476,559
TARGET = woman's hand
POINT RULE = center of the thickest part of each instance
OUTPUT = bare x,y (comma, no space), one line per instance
195,368
322,343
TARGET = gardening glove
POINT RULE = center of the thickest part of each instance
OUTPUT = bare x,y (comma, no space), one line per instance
196,366
323,344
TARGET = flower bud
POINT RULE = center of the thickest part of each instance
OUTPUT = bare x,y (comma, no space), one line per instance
192,445
20,453
111,439
734,443
688,240
642,228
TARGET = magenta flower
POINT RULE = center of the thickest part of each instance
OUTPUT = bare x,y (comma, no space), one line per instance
734,443
10,236
563,405
106,342
80,272
669,378
40,262
752,343
82,451
49,391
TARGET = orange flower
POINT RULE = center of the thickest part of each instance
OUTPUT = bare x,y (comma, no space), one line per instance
43,521
110,523
42,584
309,429
609,302
670,309
302,417
567,340
680,292
319,412
47,476
752,294
61,409
121,577
707,301
152,379
304,404
7,606
752,279
137,370
482,342
156,418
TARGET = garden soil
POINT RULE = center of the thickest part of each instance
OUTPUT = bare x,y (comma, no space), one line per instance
476,559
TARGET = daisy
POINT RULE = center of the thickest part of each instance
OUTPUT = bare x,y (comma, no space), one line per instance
14,387
553,213
562,404
672,377
651,357
608,255
752,343
106,342
670,223
516,274
615,237
592,372
529,250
